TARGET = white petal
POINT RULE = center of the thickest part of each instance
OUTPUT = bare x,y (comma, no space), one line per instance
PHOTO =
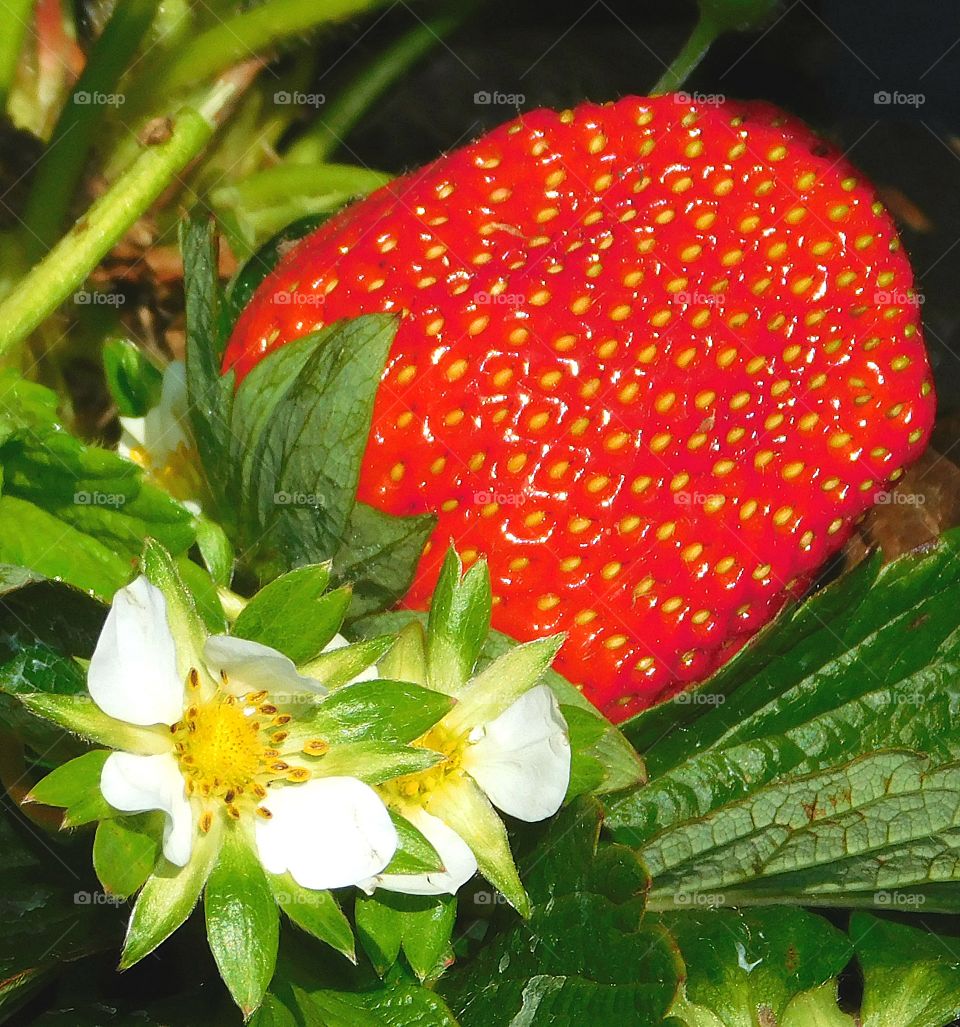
165,426
458,861
133,673
252,667
136,784
330,832
131,435
521,759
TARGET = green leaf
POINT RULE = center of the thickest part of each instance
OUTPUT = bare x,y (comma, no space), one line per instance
186,624
76,787
134,382
340,666
217,551
910,976
167,898
458,624
414,855
375,762
744,967
242,921
211,395
316,912
204,594
294,614
838,837
419,924
379,556
125,851
816,1008
381,710
587,955
407,660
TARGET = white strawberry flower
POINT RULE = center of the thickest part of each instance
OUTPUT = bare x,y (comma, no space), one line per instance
161,442
210,733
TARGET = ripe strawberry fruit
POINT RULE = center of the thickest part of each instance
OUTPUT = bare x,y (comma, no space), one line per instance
655,358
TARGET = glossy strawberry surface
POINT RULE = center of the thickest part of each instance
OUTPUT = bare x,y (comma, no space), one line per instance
654,359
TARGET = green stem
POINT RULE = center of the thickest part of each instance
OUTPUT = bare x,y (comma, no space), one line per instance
69,263
319,142
66,156
695,49
238,39
17,15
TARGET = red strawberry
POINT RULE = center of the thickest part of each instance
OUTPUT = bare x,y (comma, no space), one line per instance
655,359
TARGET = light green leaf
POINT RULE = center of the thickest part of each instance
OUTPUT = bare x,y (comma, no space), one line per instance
168,897
79,714
414,855
407,660
316,912
817,1008
217,551
911,977
419,924
125,851
242,920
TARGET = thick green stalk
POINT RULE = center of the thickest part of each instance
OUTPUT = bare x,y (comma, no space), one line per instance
318,142
238,39
69,263
17,15
63,163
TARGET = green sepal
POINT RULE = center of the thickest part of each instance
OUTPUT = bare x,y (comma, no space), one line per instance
76,787
414,855
243,923
374,762
294,614
500,684
185,623
340,666
80,715
407,660
458,624
134,382
125,851
466,810
217,551
168,897
382,710
420,925
316,912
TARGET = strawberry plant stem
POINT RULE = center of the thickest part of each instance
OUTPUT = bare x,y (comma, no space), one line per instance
237,39
63,164
17,16
693,52
326,134
69,263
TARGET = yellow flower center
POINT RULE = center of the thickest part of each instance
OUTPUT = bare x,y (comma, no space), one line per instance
440,739
179,475
232,750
